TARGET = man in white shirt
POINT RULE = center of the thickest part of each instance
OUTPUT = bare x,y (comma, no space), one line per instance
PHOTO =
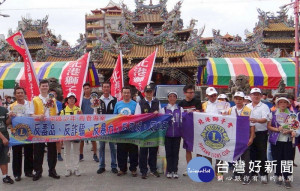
258,117
210,106
21,107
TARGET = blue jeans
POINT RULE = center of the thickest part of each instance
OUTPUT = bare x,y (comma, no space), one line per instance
113,154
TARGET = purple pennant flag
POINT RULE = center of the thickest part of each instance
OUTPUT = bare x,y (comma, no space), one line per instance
242,136
188,131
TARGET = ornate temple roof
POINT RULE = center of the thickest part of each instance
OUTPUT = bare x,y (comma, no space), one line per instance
149,18
278,27
177,47
279,40
188,58
270,30
32,34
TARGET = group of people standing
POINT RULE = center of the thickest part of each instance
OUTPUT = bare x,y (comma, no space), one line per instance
264,126
262,123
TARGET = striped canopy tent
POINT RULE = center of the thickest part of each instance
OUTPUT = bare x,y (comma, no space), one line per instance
10,73
262,72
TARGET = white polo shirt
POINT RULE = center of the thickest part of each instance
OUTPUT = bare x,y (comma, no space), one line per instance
212,107
25,109
260,111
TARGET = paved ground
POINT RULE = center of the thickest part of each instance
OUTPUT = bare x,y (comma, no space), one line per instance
90,180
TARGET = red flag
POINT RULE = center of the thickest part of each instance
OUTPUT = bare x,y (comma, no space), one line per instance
116,79
18,42
140,75
73,77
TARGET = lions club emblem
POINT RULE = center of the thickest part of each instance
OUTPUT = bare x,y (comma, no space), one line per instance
21,132
215,136
18,41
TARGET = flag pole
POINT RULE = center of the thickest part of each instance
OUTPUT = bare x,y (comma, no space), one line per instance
121,59
150,76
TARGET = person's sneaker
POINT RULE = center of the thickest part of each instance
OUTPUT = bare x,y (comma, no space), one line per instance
77,173
100,170
175,175
155,173
59,158
279,180
287,184
95,158
169,175
81,157
121,173
245,182
7,180
68,173
144,176
133,173
18,178
264,179
185,173
114,170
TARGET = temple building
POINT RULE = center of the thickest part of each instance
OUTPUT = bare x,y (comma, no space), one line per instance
272,36
141,32
97,23
43,45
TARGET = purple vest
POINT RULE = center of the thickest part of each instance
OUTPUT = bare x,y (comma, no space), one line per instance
273,136
174,129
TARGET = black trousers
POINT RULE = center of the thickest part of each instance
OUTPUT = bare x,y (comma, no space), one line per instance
172,145
123,151
258,150
282,151
38,156
17,159
246,158
152,159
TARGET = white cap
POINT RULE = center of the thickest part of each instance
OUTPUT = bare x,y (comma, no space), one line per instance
71,94
211,91
282,98
254,90
239,94
248,98
222,96
173,93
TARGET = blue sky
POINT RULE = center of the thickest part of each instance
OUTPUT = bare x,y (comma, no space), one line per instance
66,17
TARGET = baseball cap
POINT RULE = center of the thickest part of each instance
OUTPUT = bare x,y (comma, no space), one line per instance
222,96
248,98
71,94
173,93
239,94
282,98
254,90
211,91
148,88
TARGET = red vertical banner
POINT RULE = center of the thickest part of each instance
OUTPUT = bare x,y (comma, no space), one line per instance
117,80
18,42
140,75
74,76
